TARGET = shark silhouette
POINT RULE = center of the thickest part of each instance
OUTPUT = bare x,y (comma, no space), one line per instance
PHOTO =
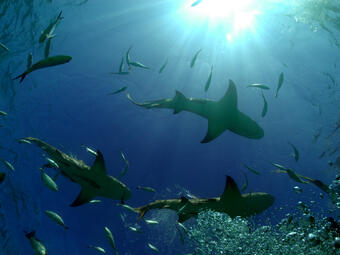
231,202
93,180
221,115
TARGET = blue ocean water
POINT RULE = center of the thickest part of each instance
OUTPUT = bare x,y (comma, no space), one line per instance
68,106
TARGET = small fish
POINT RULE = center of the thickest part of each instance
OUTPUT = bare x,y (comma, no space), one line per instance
265,106
47,62
89,150
38,247
181,237
252,169
207,83
151,222
148,189
127,58
97,248
197,2
8,165
245,186
2,113
127,207
94,201
4,47
297,189
163,66
279,166
110,239
257,85
56,218
48,32
281,79
152,247
193,61
52,163
24,141
294,176
138,64
135,229
47,47
121,67
29,60
296,152
2,177
182,227
126,165
334,83
48,181
117,91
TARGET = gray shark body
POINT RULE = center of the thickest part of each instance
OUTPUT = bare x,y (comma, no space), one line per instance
93,180
231,202
221,115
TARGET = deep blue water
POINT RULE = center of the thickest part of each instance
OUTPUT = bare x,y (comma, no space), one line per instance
68,106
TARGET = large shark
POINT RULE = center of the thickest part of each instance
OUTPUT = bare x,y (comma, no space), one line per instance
93,180
231,202
221,115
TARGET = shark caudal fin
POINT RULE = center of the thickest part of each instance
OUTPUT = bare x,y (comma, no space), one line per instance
142,211
231,191
22,76
179,100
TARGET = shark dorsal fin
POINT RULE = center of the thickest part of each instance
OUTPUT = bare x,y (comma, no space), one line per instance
230,97
99,164
179,97
231,190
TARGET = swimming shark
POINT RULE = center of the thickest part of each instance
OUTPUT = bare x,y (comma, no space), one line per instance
221,115
93,180
231,202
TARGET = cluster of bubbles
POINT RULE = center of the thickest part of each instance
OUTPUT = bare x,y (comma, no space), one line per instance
319,15
218,234
334,188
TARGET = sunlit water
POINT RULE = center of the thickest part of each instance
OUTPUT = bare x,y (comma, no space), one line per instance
68,106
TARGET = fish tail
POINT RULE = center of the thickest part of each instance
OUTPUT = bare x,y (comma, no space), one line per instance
29,234
22,76
59,16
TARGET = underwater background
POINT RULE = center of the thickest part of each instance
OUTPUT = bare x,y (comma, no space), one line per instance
69,107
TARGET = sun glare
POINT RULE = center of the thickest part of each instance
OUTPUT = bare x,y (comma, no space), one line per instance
236,14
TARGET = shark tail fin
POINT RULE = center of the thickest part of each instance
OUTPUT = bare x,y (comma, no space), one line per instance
22,76
178,99
142,211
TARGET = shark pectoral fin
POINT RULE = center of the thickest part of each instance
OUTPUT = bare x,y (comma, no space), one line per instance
247,127
230,97
231,191
99,164
214,130
183,217
85,196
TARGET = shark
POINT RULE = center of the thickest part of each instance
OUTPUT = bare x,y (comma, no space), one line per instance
94,180
221,115
231,202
